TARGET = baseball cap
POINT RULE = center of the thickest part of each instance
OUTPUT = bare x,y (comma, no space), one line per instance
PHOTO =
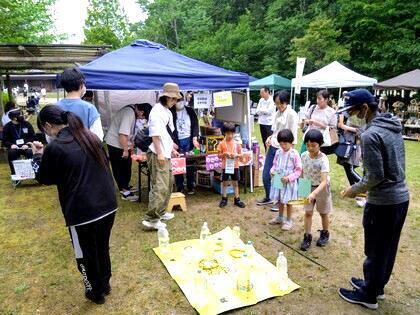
357,97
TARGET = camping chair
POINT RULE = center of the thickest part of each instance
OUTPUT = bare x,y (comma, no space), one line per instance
23,171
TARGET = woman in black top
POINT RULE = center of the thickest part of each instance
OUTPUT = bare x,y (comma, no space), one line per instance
76,163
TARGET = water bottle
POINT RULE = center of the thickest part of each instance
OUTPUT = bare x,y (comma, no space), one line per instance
281,265
249,250
237,232
163,238
243,282
205,232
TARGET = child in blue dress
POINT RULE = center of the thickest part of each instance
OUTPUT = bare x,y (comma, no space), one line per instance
288,166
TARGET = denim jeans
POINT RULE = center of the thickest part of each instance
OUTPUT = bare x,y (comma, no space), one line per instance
185,146
268,164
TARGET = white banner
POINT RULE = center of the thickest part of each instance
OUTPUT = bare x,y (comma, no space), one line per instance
300,64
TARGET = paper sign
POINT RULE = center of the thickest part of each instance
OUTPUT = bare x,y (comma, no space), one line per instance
304,187
223,99
202,100
230,166
213,162
277,183
179,166
246,158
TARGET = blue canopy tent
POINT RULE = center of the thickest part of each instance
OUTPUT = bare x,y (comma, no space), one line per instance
145,65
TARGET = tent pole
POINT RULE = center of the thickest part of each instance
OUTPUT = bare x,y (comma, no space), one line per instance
294,100
307,94
291,95
248,117
339,93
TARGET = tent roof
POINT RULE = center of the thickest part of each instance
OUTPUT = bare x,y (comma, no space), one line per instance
334,75
145,65
406,81
273,81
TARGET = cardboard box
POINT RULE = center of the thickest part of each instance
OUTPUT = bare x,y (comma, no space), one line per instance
257,177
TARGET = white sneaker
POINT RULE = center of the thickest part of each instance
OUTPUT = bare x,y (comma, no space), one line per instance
360,201
274,209
129,196
156,225
167,216
287,225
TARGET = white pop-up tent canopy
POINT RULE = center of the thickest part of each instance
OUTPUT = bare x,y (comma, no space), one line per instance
334,75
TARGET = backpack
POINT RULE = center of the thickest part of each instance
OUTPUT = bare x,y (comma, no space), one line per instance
142,140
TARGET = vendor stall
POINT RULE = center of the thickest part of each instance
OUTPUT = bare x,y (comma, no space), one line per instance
407,108
334,75
146,66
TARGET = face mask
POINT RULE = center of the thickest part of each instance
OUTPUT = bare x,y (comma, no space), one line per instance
143,121
180,105
20,118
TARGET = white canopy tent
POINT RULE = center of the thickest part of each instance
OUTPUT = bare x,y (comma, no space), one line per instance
334,75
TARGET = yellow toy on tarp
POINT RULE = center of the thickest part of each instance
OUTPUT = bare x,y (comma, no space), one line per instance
208,273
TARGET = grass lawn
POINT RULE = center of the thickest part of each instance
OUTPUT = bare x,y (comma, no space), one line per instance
39,276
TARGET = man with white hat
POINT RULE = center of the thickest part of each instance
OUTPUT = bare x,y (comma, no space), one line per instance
161,150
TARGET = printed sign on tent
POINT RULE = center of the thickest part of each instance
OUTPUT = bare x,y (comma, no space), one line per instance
179,166
202,100
223,99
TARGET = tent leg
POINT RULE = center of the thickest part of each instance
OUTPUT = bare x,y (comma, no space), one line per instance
291,97
294,100
307,94
339,93
248,117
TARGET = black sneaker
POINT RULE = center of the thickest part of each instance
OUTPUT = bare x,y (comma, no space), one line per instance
357,297
264,201
223,203
95,298
238,202
324,237
191,191
107,289
307,241
359,283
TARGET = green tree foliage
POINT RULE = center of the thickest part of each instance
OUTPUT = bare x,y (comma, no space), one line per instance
106,23
379,38
26,21
319,45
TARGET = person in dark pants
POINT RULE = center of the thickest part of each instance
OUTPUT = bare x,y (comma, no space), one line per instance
186,137
119,140
387,201
266,110
17,133
75,161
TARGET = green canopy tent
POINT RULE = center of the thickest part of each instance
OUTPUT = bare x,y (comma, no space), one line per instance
273,82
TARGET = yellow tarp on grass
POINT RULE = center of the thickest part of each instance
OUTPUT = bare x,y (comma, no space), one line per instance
207,273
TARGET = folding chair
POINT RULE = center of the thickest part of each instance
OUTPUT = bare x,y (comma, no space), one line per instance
23,171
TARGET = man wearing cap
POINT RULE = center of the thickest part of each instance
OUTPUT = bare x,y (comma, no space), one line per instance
161,150
388,197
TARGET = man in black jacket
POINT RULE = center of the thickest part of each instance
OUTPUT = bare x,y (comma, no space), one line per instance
186,137
16,135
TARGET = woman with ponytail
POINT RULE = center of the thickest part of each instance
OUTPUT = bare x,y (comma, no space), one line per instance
75,161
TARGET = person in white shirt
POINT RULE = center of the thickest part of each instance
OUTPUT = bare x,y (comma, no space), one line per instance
161,150
285,118
341,101
265,111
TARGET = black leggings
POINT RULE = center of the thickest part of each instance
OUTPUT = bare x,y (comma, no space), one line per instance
352,176
265,133
121,168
